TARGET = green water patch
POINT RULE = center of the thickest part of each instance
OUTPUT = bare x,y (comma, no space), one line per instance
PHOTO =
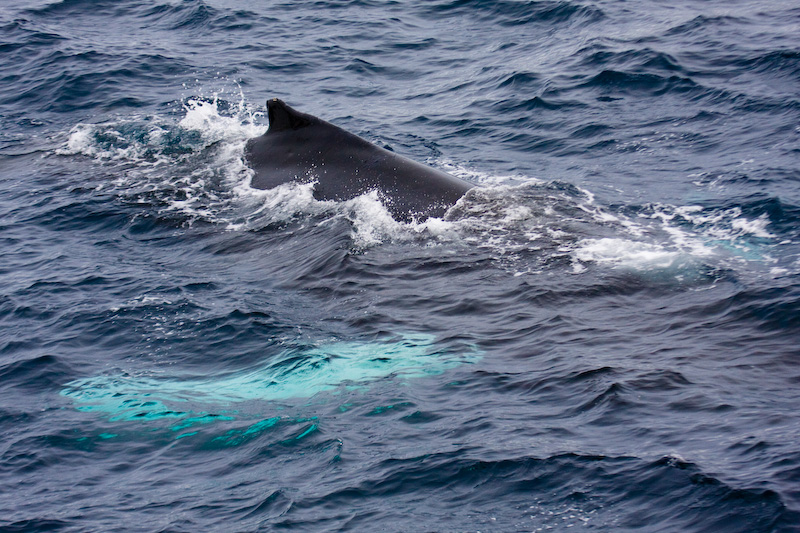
188,402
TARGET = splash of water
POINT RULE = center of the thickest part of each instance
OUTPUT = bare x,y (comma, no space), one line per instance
193,167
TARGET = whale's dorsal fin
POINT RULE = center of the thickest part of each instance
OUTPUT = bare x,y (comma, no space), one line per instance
342,166
282,117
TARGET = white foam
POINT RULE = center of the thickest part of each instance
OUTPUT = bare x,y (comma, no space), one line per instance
372,222
78,142
626,253
204,116
756,227
726,224
277,205
483,178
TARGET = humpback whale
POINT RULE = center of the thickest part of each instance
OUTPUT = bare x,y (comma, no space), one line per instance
184,401
301,147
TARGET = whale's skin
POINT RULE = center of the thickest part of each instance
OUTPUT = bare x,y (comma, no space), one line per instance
301,147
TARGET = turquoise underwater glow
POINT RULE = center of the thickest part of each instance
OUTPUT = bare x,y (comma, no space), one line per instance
291,374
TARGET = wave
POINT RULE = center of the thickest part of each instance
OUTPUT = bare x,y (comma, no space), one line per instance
511,13
558,491
192,14
77,7
200,15
19,36
65,82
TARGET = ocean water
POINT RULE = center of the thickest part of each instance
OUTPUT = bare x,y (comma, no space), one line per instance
603,335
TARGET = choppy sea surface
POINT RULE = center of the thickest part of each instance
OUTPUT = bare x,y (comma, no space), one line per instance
604,335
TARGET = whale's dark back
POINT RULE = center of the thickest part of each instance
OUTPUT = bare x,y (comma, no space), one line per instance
302,147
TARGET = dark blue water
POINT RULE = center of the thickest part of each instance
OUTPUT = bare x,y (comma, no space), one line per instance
603,336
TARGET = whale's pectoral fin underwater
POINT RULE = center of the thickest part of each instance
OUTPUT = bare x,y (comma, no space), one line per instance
298,146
